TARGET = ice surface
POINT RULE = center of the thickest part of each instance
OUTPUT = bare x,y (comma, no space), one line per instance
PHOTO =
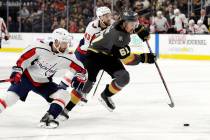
141,111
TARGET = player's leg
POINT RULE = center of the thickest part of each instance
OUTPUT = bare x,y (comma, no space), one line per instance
8,99
120,79
92,65
14,93
58,98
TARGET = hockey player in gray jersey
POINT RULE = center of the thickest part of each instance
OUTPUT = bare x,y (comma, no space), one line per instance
109,51
93,30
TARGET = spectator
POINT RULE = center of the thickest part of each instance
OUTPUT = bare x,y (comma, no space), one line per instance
115,16
12,25
144,21
180,21
37,12
192,27
204,18
63,23
73,27
193,17
3,29
169,14
24,13
81,27
160,23
202,29
55,24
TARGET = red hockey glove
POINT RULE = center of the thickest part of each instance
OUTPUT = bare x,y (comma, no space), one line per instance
16,74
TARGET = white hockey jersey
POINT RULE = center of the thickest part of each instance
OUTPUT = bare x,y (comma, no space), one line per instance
92,31
160,24
180,22
193,29
202,29
40,63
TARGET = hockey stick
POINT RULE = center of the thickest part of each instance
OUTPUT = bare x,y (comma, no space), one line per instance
6,80
98,83
161,76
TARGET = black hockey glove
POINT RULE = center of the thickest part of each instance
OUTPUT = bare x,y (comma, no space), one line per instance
148,58
142,32
16,74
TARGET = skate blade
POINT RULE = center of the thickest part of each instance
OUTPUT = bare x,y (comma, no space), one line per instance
104,104
61,118
43,125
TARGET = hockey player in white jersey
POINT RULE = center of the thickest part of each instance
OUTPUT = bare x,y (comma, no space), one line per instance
180,21
93,30
160,23
34,71
192,29
202,29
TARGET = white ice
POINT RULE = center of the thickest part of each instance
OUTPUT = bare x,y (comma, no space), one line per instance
141,111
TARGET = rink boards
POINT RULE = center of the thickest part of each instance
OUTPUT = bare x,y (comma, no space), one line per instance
173,46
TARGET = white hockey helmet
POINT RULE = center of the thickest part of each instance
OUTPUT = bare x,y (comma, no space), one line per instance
159,13
176,11
100,11
61,35
191,22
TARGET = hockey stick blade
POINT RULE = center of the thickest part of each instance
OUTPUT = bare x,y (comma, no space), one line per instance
6,80
171,105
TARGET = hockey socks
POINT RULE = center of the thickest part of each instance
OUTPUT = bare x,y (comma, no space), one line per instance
55,110
75,98
112,89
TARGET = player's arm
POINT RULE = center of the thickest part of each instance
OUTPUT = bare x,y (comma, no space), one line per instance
129,58
89,36
76,75
25,60
142,32
135,59
27,57
184,20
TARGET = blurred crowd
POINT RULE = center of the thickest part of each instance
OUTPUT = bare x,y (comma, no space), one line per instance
162,16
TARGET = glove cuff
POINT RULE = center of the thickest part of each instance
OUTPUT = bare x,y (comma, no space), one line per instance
17,69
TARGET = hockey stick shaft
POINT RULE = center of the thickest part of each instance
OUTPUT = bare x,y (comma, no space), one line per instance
98,83
6,80
163,80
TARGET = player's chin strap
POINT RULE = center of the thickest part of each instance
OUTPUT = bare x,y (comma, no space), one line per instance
57,48
102,22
